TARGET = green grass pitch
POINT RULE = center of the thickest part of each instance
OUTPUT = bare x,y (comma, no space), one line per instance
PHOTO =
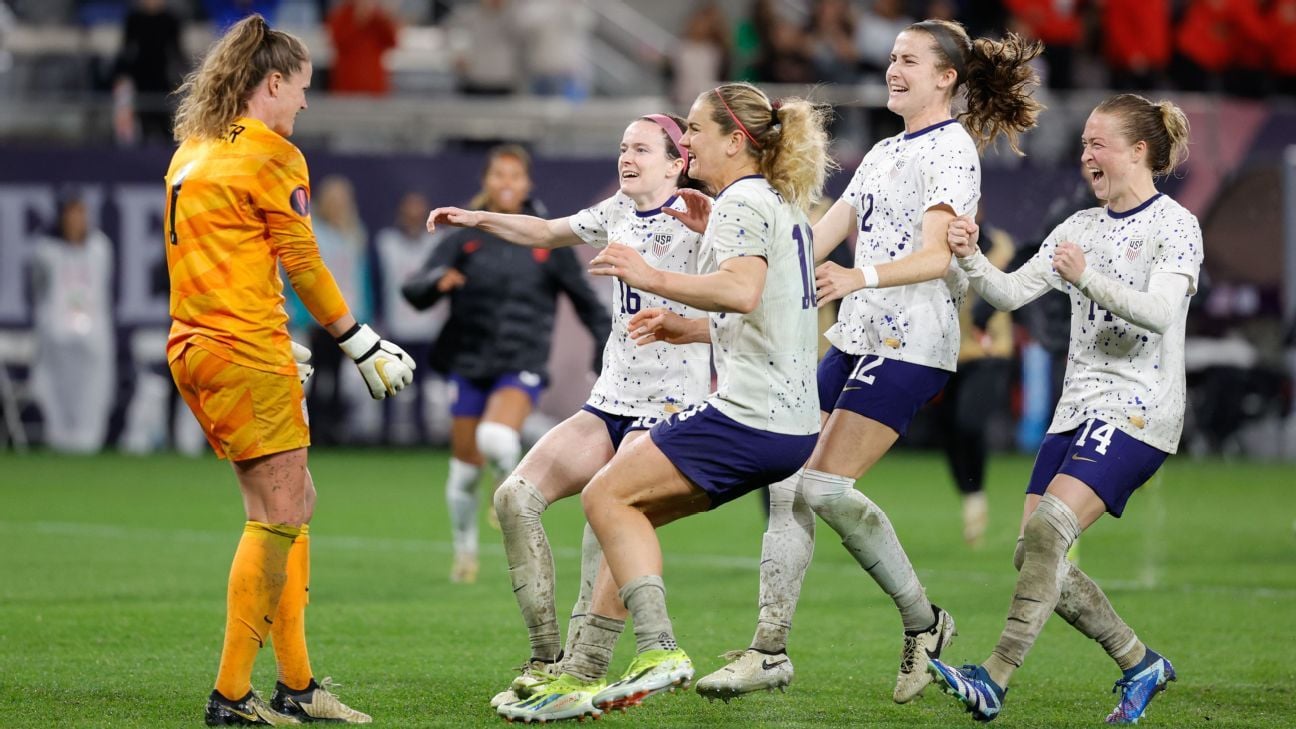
112,584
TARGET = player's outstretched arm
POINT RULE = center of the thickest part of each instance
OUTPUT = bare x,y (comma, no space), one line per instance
662,325
736,286
1154,309
832,229
523,230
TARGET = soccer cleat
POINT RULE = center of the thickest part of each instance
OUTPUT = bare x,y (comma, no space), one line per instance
747,671
566,697
532,676
1138,687
918,647
651,672
464,570
247,711
972,686
315,703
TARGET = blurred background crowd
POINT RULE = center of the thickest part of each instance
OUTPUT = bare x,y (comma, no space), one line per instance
408,94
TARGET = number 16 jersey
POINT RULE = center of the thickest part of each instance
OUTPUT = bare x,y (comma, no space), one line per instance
658,379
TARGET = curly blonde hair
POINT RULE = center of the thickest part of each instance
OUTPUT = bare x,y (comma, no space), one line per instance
789,140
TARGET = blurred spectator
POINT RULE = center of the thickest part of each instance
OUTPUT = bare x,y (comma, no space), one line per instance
784,53
1057,23
488,58
1136,43
495,346
341,410
1215,37
224,13
1280,19
73,375
362,31
402,249
149,67
876,32
701,59
977,390
557,47
832,41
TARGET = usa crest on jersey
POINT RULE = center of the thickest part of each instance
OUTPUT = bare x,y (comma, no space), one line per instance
1134,248
661,244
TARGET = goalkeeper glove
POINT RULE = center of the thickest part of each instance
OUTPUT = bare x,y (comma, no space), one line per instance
386,368
301,356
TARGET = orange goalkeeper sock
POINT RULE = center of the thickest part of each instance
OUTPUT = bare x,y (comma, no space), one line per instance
255,582
289,630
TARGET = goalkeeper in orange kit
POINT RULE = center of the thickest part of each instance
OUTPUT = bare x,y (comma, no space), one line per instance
238,207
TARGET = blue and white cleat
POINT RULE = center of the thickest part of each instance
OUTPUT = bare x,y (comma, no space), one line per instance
1139,685
972,686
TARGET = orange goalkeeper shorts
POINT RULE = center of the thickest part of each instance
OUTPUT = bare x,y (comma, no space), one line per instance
244,412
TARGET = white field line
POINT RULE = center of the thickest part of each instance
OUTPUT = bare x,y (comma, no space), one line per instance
691,559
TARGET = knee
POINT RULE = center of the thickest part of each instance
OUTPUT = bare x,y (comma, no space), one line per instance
517,500
823,491
1051,529
1019,553
499,443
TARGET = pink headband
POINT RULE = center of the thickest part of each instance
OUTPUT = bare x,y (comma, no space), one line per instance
733,116
674,131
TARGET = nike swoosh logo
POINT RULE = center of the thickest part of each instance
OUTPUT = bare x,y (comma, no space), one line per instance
1077,457
765,664
848,389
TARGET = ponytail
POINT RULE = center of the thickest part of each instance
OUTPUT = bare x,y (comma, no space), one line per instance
217,92
789,140
998,78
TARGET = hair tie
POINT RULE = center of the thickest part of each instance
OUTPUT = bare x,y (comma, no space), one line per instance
946,40
733,116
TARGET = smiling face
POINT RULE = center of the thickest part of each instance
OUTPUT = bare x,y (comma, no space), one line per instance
288,98
507,184
643,168
710,149
1110,163
917,88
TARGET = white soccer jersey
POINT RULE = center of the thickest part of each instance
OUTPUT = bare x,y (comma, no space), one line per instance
766,359
657,379
899,180
1116,371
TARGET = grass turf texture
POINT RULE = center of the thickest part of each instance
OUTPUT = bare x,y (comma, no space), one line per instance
114,568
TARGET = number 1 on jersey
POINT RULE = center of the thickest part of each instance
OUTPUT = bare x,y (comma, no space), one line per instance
806,257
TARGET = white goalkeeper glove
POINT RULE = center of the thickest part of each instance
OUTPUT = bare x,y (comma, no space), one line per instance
386,368
301,355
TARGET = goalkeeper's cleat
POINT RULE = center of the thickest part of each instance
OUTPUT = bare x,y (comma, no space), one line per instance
651,672
315,703
247,711
534,675
1138,687
918,647
464,569
565,697
972,686
747,671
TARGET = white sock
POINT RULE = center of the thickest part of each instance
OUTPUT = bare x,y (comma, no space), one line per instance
531,568
500,444
591,557
1049,533
645,598
461,497
867,534
786,550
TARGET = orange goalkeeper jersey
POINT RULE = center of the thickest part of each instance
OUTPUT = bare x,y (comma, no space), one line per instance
237,207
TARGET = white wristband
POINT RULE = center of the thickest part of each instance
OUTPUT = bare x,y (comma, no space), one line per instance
870,277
